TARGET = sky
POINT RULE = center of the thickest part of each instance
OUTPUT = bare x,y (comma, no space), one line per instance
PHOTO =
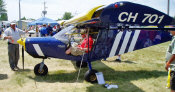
56,8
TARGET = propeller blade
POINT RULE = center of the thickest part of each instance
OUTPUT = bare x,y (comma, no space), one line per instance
21,41
23,57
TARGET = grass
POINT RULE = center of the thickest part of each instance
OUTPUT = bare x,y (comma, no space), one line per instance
139,71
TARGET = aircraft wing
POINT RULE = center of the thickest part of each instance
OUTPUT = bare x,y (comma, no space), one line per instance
82,17
134,14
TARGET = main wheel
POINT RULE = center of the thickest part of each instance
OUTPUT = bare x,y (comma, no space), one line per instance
37,71
90,76
84,64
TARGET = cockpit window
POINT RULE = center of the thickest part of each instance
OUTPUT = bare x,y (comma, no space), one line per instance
62,35
69,34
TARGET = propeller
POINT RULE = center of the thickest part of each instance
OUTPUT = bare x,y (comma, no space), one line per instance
23,57
22,42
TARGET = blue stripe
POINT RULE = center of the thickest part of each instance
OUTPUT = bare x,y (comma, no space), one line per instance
130,40
121,42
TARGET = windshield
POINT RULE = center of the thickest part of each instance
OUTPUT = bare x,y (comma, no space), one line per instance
63,34
70,34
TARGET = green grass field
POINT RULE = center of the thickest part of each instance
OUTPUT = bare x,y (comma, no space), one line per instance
139,71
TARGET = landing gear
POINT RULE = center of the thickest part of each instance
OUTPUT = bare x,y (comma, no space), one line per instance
90,74
41,69
78,64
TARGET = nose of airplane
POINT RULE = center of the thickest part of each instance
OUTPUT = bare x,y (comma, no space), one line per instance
21,41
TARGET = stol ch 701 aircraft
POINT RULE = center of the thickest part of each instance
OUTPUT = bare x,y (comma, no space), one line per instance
116,29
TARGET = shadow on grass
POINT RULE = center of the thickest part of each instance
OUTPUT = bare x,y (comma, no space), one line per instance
25,70
125,87
129,62
3,76
21,71
122,78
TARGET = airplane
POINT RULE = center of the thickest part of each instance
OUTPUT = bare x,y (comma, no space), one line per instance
116,29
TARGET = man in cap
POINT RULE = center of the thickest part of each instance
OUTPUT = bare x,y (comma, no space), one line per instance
12,34
49,30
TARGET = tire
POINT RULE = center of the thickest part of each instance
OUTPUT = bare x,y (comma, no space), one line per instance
37,70
90,76
84,64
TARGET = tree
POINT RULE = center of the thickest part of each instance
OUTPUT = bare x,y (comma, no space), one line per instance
67,15
3,11
59,19
31,19
3,17
24,18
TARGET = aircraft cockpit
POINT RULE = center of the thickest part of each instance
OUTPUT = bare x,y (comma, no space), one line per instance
75,37
72,34
63,36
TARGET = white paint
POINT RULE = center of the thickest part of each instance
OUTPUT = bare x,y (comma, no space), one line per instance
38,50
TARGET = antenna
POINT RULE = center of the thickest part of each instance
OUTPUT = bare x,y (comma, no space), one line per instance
44,11
19,10
20,22
168,7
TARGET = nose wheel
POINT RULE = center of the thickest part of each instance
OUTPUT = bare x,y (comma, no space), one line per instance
40,69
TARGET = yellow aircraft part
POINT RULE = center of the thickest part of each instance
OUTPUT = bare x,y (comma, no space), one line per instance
61,22
156,26
21,41
82,17
168,80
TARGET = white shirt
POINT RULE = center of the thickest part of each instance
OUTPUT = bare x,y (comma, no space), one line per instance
16,35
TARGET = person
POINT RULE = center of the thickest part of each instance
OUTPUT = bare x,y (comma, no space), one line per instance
77,50
37,31
43,31
170,59
12,34
49,30
58,28
0,33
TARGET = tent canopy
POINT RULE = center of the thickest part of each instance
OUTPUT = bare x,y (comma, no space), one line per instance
42,21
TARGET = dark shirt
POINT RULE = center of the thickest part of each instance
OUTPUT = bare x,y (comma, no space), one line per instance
49,30
58,29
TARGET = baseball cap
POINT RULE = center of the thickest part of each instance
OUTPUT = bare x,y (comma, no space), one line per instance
12,23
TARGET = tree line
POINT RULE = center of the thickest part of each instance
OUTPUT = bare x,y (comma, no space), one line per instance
3,11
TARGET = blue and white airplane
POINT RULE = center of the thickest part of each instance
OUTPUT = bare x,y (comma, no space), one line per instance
116,29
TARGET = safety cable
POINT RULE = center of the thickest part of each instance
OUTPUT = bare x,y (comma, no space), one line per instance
80,68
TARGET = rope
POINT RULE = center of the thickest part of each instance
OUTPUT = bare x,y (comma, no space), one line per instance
79,69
